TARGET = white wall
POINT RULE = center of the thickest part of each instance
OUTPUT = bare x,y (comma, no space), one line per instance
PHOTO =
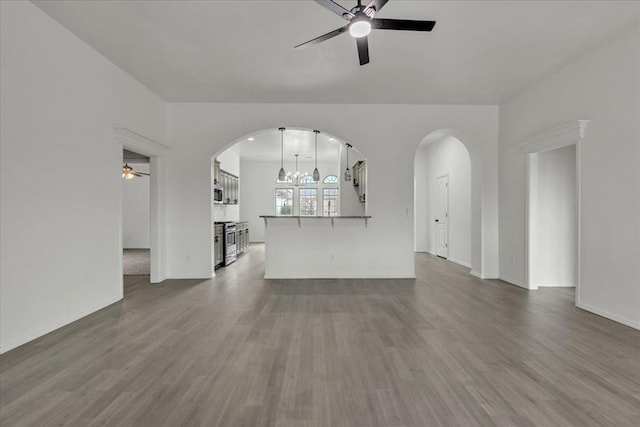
230,161
135,209
257,192
61,222
445,156
604,87
553,231
389,138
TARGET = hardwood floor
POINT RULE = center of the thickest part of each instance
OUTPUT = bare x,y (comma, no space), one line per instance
445,349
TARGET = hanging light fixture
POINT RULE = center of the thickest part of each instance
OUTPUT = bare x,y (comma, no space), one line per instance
127,172
347,172
298,178
281,174
316,172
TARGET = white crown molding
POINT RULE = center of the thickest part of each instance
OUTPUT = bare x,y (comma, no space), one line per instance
139,143
557,137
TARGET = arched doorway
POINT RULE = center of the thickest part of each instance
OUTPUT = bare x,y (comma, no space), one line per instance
245,184
442,198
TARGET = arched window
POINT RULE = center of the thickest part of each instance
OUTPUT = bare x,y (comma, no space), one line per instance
287,180
330,179
307,180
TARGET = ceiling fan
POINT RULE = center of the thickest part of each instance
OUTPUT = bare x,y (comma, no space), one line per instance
129,173
361,21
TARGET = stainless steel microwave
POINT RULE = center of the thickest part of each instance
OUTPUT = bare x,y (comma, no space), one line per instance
217,194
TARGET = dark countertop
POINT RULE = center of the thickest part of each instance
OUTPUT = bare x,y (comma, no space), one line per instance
317,216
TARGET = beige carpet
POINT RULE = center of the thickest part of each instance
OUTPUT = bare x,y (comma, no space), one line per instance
136,262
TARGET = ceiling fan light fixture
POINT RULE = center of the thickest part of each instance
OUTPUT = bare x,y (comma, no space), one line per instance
127,172
360,27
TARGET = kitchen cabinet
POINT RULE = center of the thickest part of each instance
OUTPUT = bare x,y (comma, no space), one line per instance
218,244
230,185
216,172
360,179
242,237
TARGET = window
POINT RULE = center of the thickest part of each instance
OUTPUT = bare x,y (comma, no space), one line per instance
329,201
330,179
307,180
284,201
287,180
308,201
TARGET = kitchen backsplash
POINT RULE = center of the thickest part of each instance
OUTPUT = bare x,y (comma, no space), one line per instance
223,212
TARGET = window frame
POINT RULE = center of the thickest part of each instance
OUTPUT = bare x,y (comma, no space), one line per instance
300,192
337,198
290,190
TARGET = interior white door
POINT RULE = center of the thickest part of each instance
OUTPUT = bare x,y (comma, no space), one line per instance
442,216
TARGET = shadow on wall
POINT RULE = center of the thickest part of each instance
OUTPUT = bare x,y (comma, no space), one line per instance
442,198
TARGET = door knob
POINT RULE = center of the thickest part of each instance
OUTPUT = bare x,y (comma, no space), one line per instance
437,220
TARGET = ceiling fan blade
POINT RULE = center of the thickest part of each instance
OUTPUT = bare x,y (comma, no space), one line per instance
402,24
336,8
324,37
374,7
143,173
136,174
363,49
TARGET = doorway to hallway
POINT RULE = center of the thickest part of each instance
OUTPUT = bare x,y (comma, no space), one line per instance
553,218
442,198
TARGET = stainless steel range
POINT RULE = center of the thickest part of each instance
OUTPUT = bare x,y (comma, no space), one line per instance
229,242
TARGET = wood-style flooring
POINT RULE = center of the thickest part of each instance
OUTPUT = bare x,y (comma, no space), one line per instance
446,349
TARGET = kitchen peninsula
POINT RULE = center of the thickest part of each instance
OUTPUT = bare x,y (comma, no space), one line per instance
298,247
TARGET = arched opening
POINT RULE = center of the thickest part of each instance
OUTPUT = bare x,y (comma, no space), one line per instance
245,184
442,198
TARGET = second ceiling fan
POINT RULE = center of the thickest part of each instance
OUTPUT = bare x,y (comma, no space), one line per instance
361,21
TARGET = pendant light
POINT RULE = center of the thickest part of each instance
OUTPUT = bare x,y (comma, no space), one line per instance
347,172
316,172
281,175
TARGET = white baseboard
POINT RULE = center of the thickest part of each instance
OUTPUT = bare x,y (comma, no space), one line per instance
476,274
56,324
328,276
191,276
462,263
610,316
515,282
159,279
550,285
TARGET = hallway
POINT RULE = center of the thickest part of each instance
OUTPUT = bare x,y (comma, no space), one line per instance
444,349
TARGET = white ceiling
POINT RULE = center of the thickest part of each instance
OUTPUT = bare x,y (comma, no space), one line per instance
242,51
266,146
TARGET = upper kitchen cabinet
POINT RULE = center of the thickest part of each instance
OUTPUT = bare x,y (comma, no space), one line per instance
360,179
225,177
216,172
229,183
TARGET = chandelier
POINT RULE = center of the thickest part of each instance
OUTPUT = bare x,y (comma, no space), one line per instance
298,178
